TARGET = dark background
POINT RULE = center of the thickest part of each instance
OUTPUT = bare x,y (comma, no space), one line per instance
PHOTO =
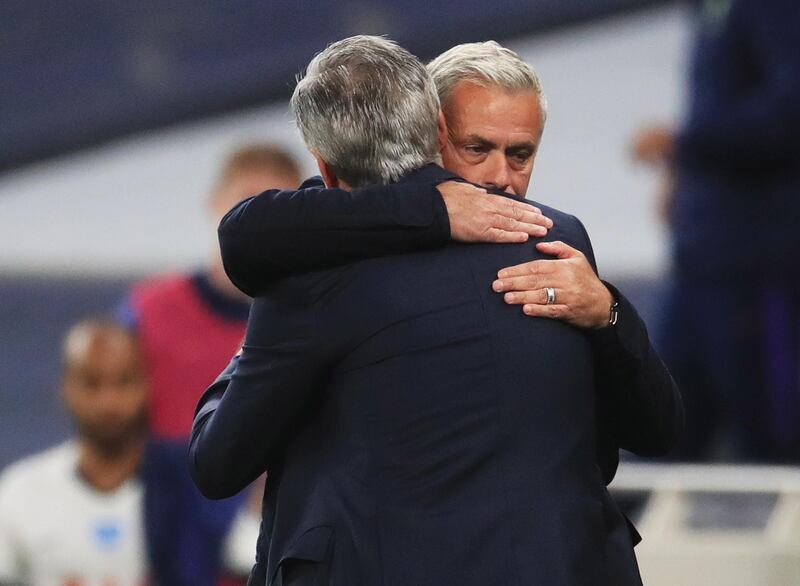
77,73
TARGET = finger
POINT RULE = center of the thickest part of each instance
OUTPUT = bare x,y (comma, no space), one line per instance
511,225
524,283
555,311
504,236
521,208
532,267
512,208
527,221
537,296
558,249
533,217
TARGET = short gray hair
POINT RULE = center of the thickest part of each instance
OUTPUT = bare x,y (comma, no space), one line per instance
369,108
483,64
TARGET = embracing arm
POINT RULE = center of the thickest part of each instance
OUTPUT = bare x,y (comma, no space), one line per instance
639,406
639,403
279,233
244,420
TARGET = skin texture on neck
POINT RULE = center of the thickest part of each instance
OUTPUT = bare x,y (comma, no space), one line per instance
329,176
107,472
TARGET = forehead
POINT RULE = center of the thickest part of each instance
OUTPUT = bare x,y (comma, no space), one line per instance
472,108
105,350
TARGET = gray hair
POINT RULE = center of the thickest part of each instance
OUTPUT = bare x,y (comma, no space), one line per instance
483,64
369,108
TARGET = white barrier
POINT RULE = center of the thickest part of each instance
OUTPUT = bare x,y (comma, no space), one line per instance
714,525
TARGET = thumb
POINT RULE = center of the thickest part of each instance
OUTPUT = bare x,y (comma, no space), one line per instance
558,249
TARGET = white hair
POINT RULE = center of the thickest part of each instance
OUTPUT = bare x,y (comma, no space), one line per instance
484,64
369,109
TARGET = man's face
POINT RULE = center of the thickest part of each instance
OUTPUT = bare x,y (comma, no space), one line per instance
492,136
105,391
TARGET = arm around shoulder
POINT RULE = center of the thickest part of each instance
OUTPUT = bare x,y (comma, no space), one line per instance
246,418
280,233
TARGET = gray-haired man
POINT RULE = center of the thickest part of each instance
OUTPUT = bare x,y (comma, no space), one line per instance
391,399
494,113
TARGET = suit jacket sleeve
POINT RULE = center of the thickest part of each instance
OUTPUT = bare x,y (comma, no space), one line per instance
639,405
278,233
243,421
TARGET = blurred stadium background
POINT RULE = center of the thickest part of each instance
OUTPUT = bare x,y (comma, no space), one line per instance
114,117
118,117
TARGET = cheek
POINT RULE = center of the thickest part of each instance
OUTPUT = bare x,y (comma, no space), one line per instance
133,403
519,183
78,402
453,162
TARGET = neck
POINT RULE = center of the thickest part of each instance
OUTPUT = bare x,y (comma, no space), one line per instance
105,472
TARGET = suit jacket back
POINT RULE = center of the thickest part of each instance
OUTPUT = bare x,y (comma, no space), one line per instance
449,439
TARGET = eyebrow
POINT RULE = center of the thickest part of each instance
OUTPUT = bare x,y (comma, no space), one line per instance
526,145
477,139
485,142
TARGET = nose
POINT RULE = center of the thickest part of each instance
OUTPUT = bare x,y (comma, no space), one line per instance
497,174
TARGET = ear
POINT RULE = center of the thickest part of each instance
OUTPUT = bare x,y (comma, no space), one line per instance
442,127
327,172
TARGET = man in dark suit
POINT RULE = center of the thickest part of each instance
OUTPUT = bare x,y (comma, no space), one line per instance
391,399
289,232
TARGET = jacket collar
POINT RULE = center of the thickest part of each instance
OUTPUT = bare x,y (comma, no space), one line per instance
430,173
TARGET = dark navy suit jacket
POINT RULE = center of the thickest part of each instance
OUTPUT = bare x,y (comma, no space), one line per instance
418,430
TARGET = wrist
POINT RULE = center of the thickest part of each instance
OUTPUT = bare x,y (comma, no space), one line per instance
608,311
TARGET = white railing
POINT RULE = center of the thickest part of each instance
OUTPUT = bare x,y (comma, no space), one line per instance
715,525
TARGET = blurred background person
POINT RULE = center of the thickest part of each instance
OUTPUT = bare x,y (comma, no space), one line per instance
731,194
93,509
188,324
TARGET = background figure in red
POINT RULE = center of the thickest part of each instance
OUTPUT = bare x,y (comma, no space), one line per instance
189,324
